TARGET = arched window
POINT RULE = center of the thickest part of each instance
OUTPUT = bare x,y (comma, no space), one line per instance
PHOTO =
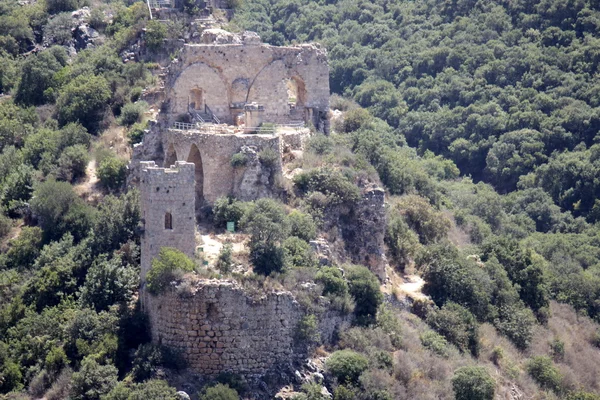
168,221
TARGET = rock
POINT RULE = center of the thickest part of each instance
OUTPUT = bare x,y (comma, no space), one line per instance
298,377
181,395
219,36
84,36
322,250
318,377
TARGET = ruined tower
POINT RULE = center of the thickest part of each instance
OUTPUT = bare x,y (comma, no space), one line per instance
168,210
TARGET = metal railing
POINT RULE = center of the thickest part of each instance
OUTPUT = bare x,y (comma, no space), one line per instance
161,3
184,126
208,111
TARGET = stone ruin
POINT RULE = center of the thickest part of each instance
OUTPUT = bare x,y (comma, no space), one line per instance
216,325
230,95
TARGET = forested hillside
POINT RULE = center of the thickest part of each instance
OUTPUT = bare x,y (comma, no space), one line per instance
479,118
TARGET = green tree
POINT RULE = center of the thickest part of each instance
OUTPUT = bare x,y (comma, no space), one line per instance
37,76
543,371
93,380
156,33
170,265
364,287
218,392
84,99
112,173
346,365
473,383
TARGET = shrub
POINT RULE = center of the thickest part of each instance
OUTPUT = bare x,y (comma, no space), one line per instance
268,157
54,6
60,210
332,280
72,163
84,99
346,365
218,392
156,33
298,253
320,144
132,113
302,225
59,28
5,225
435,342
338,188
267,257
228,209
93,380
543,371
170,265
224,262
473,383
364,287
136,133
239,160
308,329
457,325
112,172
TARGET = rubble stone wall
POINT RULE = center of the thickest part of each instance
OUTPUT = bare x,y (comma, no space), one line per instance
219,328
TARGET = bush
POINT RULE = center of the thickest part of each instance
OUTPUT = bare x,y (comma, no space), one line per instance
60,210
224,262
302,225
156,33
132,113
72,163
54,6
239,160
93,380
457,325
112,172
308,329
268,157
84,99
136,133
170,265
320,144
218,392
267,257
435,342
59,28
364,287
543,371
298,253
473,383
228,209
346,365
338,188
332,280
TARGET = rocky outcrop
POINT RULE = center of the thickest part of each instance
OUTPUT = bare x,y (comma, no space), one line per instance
356,233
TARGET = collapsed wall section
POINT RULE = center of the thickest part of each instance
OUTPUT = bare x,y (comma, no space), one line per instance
168,210
219,328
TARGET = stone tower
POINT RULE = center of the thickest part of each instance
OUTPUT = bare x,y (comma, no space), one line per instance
167,198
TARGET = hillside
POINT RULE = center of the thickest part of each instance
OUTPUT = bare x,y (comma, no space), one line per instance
477,119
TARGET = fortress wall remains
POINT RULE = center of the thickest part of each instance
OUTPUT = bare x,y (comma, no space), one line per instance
219,177
230,73
219,328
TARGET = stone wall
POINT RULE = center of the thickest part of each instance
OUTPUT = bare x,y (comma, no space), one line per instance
227,69
219,328
166,191
219,178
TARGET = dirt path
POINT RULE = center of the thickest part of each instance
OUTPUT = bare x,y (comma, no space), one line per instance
212,243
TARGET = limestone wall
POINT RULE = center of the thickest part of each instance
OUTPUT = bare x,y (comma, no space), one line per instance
251,72
219,177
219,328
162,191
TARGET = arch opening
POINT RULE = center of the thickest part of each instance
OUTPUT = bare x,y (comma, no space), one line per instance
196,99
196,158
296,94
